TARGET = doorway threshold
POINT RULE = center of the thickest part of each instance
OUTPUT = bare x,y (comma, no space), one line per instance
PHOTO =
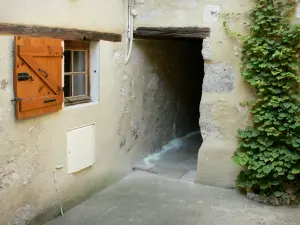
176,159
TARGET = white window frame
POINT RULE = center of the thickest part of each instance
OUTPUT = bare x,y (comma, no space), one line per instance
94,74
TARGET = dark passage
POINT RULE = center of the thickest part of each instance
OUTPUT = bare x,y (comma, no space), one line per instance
194,65
182,69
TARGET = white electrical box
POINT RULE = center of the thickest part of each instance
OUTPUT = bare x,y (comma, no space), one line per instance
81,148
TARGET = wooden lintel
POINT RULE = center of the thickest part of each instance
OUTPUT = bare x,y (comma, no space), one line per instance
173,33
55,32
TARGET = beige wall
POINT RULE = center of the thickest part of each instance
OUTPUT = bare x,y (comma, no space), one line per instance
223,87
139,110
155,96
126,116
30,150
99,15
142,107
33,148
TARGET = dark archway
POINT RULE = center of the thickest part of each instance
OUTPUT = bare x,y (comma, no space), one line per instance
186,43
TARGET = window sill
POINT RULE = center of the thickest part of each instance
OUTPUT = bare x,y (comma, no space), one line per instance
80,105
70,101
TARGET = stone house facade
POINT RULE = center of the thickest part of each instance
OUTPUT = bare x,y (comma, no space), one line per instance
60,158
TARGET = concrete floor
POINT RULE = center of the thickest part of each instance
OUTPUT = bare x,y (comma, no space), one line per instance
156,198
145,198
176,159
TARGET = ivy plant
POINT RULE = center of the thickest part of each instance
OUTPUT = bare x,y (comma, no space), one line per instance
269,150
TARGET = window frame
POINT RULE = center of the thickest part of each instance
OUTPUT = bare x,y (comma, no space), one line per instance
79,46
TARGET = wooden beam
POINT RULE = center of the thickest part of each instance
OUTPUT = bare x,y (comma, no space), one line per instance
60,33
171,33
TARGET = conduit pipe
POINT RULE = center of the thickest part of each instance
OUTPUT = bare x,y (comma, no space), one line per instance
130,26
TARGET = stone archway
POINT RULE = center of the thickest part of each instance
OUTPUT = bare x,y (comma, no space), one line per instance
188,34
220,118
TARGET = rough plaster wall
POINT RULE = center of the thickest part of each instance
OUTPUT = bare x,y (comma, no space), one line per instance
32,149
221,113
223,88
79,14
157,96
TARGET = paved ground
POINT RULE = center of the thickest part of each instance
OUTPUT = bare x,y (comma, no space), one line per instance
145,198
176,159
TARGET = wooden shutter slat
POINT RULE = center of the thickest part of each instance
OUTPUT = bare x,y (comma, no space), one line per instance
36,112
39,59
35,103
40,51
35,66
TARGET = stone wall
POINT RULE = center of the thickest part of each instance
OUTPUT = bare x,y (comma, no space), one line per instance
158,91
137,112
31,150
142,106
87,15
223,88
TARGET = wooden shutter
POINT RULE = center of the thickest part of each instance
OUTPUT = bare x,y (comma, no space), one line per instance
37,76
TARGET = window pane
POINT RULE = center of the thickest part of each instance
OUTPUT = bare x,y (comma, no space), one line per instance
79,61
68,86
67,60
79,84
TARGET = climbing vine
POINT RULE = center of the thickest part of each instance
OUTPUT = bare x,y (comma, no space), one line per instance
269,150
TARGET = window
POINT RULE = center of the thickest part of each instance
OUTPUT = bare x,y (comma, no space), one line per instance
76,72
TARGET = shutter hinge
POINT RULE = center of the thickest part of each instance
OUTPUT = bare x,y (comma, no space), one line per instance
16,99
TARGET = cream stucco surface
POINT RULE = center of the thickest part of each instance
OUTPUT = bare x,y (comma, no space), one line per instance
155,101
137,110
33,157
98,15
141,107
32,149
223,89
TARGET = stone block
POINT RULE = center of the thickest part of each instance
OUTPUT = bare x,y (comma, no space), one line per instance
218,78
207,52
215,167
208,129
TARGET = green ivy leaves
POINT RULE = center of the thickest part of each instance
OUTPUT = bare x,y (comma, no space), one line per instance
269,151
